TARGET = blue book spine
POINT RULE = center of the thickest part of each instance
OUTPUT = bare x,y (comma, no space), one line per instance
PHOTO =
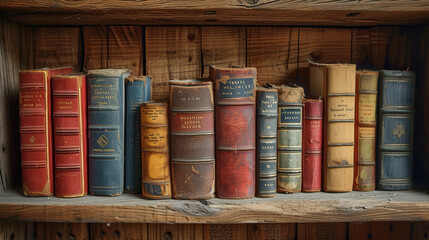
136,90
148,89
266,160
395,145
106,131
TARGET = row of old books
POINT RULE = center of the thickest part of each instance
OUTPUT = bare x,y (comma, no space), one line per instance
235,141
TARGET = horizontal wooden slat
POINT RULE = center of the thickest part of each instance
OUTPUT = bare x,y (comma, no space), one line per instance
301,207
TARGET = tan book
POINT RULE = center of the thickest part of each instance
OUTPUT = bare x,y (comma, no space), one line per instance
335,83
365,131
155,151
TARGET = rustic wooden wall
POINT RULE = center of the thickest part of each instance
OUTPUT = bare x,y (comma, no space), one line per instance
279,53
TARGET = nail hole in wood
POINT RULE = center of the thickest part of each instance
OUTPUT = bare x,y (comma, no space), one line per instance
369,235
167,236
59,234
72,236
12,236
210,12
103,233
117,234
426,235
354,14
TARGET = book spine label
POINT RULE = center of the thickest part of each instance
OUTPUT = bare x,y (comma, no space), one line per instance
70,135
312,146
106,134
289,147
155,151
366,105
36,131
192,141
266,161
135,95
396,130
235,131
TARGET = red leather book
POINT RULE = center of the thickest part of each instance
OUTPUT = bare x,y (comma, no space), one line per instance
235,131
312,162
36,130
70,135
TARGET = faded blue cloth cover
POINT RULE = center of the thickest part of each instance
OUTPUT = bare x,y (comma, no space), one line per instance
138,90
106,130
395,151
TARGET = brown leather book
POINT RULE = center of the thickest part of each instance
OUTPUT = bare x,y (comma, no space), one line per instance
365,131
335,83
155,150
192,139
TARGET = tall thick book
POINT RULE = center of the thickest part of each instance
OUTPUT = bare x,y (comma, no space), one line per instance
235,91
312,145
365,131
396,117
155,150
70,135
106,130
266,141
192,139
289,133
335,84
138,89
35,112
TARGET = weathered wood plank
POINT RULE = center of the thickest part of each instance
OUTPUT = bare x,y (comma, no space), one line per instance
66,231
265,231
172,53
131,231
323,45
420,230
380,230
95,42
361,47
175,231
57,47
223,231
223,47
125,48
274,52
337,231
10,64
301,207
16,230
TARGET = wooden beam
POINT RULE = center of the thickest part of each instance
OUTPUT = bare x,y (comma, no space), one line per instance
117,231
52,231
266,231
157,231
380,230
334,231
301,208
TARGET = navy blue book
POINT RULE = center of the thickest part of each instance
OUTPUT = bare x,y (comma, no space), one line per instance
106,131
395,145
266,141
138,90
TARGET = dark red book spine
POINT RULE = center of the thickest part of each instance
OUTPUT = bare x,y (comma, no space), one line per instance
312,163
36,130
70,135
235,131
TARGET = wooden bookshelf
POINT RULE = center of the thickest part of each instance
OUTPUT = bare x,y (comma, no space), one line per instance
284,208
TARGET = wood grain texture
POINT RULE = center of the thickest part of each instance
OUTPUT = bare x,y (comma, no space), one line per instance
129,231
175,231
322,45
95,42
56,47
11,35
223,47
274,52
420,230
337,231
223,231
380,230
265,231
16,230
125,48
295,208
56,231
172,53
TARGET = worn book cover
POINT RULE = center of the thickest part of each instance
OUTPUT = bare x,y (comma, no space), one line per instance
235,95
156,182
395,133
35,113
335,84
106,121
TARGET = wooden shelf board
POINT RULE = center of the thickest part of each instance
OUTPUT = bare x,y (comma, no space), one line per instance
284,208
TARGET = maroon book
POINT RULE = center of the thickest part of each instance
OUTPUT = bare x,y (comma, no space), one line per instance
36,130
235,91
312,162
70,135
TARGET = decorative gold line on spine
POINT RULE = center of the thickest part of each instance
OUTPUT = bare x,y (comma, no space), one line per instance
47,132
